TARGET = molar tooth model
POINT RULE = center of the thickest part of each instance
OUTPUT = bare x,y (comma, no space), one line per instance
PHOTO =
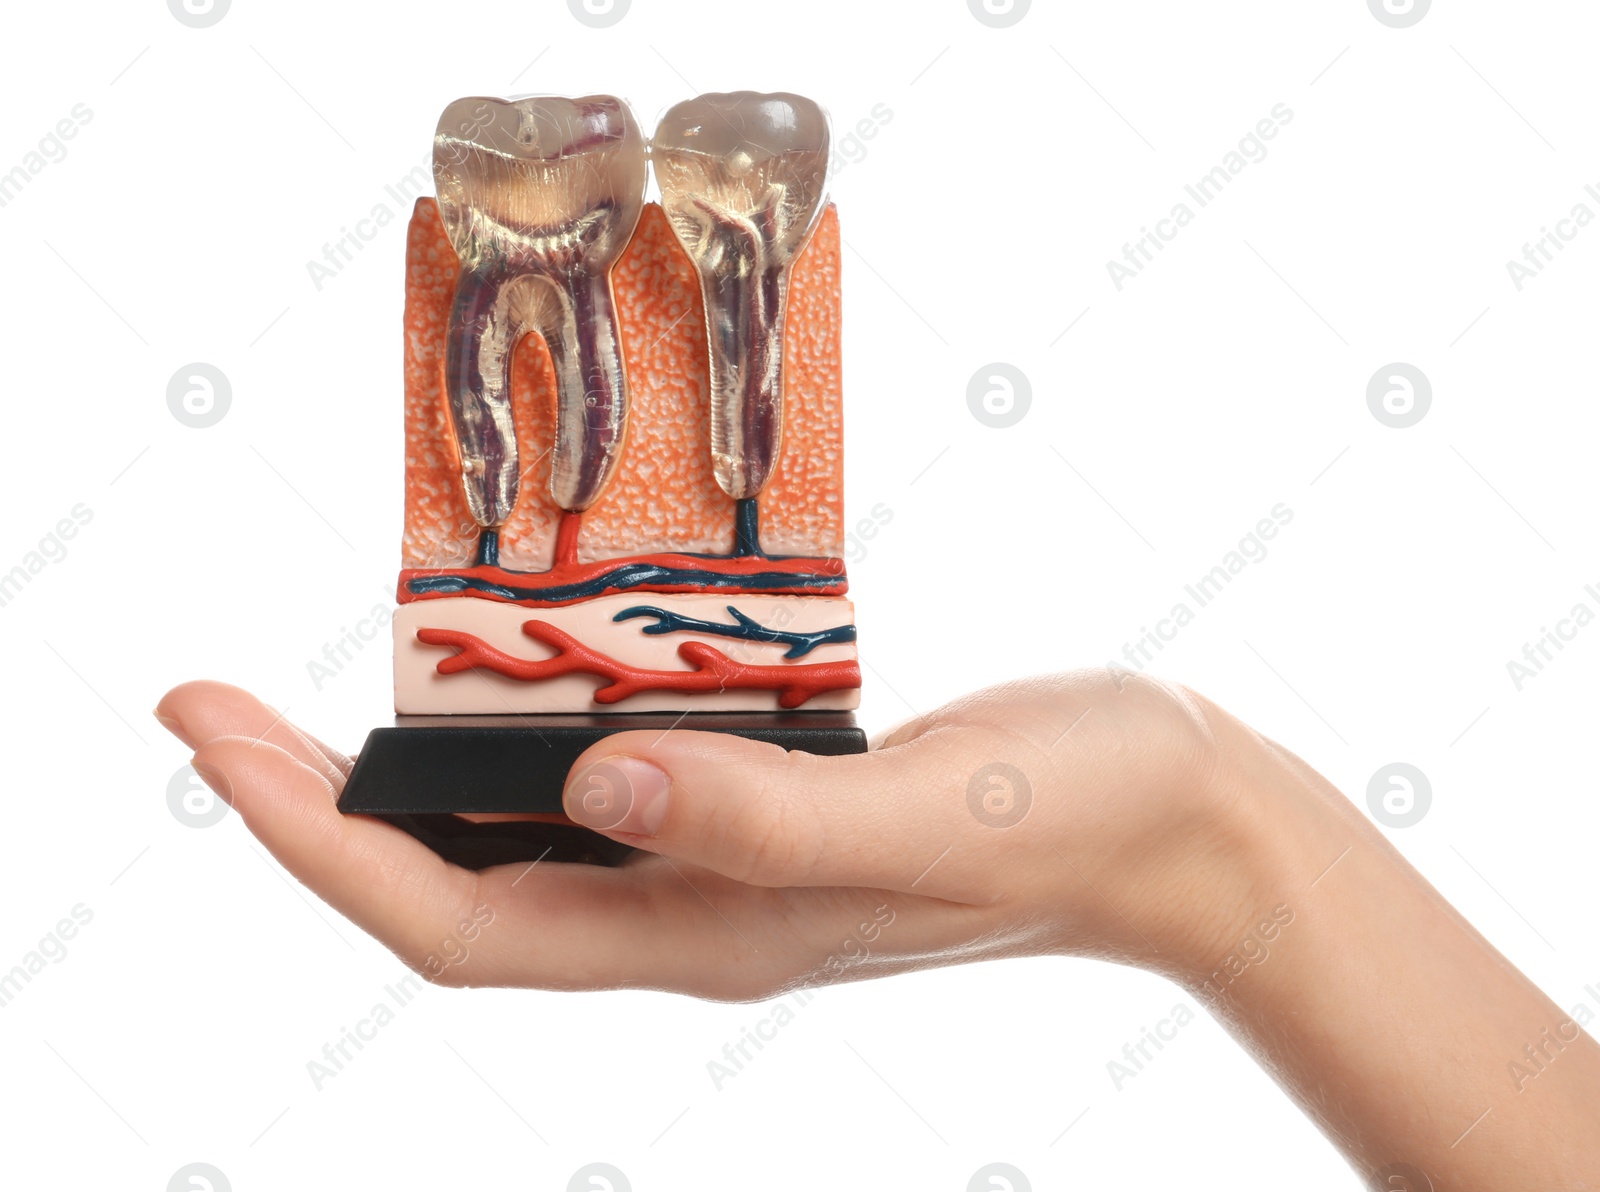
599,391
540,197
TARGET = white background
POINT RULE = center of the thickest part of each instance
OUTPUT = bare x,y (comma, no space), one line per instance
1229,376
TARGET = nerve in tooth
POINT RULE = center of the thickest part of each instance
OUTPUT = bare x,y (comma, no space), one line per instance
540,197
743,180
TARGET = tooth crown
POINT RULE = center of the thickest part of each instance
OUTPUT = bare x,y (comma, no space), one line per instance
743,178
539,182
743,156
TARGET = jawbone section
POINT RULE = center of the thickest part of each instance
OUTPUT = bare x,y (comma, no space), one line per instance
671,652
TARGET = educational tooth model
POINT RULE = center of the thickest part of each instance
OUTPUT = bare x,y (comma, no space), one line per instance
623,425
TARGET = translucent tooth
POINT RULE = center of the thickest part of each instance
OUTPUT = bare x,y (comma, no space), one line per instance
743,181
540,196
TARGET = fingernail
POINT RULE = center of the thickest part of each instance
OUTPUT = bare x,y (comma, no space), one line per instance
216,780
168,723
620,794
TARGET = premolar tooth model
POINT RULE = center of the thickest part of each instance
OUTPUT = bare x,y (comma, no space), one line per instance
743,179
540,198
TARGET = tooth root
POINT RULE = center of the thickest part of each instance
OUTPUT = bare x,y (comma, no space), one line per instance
587,355
483,334
539,197
743,179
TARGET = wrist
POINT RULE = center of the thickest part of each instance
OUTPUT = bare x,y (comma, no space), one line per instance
1393,1022
1280,833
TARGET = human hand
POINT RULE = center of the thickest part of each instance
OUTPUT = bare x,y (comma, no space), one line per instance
1140,824
1080,814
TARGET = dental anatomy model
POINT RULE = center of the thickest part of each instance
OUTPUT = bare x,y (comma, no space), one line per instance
623,442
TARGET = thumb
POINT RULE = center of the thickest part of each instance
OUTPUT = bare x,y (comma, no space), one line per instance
759,814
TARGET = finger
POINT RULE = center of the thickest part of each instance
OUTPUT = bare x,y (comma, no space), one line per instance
906,731
342,762
545,925
559,926
204,710
383,880
758,814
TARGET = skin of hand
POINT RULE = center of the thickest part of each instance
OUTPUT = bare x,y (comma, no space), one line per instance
1095,813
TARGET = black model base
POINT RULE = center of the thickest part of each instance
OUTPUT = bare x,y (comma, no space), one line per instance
427,772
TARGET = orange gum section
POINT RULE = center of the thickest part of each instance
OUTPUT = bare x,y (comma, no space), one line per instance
663,496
